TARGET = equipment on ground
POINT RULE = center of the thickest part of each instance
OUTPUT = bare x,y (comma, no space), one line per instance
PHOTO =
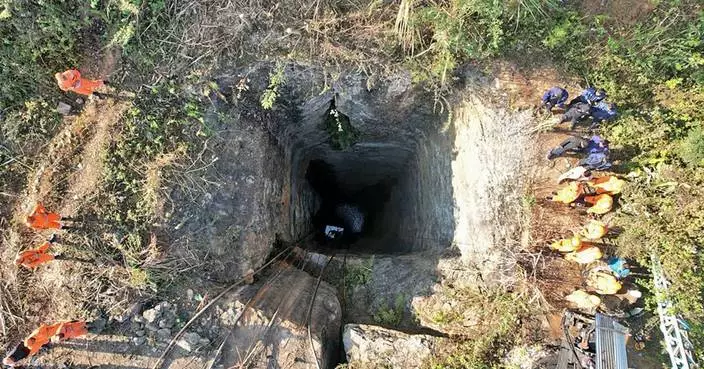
592,342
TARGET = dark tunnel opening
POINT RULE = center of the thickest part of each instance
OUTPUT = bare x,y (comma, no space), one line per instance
359,212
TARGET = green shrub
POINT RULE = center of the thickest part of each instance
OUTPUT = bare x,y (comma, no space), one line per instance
692,148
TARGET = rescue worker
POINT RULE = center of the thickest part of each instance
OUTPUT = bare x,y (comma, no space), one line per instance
585,255
594,230
569,193
607,184
555,96
591,96
43,335
601,112
603,283
575,174
596,161
600,204
33,258
71,80
41,219
583,300
577,144
567,244
575,113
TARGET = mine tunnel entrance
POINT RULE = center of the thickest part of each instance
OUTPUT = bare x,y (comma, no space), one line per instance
379,179
351,217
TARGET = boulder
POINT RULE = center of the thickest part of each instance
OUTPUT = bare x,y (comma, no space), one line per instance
373,346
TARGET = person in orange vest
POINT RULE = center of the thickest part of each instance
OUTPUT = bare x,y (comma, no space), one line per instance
594,230
71,80
33,258
42,336
611,185
569,193
585,255
41,219
600,204
567,244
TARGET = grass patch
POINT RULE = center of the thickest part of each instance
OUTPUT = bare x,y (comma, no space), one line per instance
499,316
391,314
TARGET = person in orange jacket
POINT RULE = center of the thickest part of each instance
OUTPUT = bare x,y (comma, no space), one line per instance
569,193
567,244
611,185
594,230
600,204
41,219
33,258
585,255
71,80
42,336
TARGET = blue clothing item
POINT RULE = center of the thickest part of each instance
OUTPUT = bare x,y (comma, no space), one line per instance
596,161
618,267
596,145
592,96
603,112
556,96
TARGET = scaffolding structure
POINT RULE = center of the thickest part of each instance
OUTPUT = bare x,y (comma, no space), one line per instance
679,347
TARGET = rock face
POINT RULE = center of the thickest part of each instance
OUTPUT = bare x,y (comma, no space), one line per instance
273,332
377,347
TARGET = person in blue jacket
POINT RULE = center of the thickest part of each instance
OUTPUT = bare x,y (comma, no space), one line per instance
602,111
555,96
591,96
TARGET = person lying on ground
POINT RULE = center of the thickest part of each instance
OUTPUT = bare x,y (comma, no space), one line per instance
577,144
602,112
611,185
579,174
554,97
594,230
33,258
575,113
569,193
591,96
586,254
583,300
596,161
41,219
603,282
42,336
567,244
599,204
71,80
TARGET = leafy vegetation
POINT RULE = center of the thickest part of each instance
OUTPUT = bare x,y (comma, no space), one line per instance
277,79
499,315
391,314
342,133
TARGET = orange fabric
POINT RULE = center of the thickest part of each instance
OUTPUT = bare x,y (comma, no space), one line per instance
33,258
569,193
42,219
601,204
72,330
40,337
71,80
607,184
